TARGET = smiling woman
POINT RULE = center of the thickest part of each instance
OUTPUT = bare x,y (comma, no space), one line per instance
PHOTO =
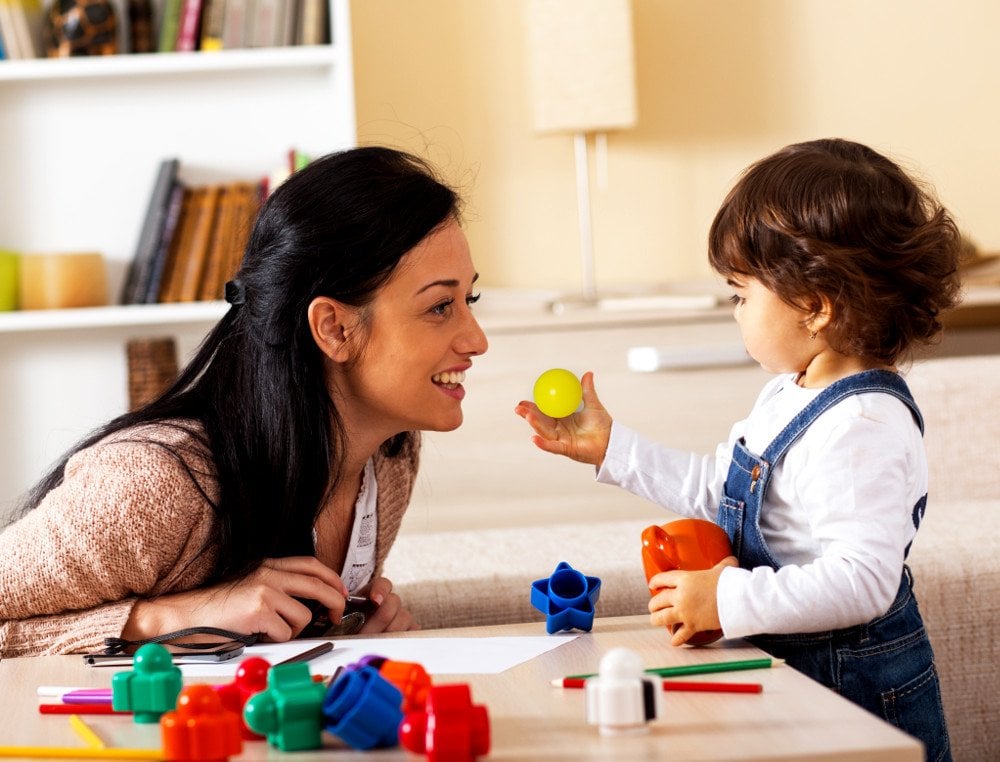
270,480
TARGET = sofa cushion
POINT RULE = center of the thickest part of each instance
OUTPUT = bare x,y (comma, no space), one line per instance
958,399
475,577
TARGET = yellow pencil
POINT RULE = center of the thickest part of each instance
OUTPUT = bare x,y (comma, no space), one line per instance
64,752
86,733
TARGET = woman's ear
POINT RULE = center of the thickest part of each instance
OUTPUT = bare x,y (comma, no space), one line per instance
331,324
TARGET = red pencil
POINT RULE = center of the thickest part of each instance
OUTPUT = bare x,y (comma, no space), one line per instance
679,685
78,709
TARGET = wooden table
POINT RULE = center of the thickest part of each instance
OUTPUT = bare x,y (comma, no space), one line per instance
794,717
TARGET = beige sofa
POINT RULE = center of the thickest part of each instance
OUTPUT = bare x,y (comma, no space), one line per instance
492,514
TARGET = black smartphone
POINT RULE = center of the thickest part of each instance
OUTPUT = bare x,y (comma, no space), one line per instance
180,655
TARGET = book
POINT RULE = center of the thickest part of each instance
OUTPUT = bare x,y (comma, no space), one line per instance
212,25
137,276
170,286
214,277
203,208
6,48
234,23
246,204
288,22
123,25
30,19
9,30
159,265
312,23
264,24
189,28
170,24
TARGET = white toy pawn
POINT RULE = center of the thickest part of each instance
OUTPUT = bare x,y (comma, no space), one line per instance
622,699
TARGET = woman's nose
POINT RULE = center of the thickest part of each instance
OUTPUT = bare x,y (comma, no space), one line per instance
472,339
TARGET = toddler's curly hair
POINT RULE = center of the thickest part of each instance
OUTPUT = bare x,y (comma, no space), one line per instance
837,220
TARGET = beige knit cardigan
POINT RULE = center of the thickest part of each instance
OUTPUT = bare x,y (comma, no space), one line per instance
126,523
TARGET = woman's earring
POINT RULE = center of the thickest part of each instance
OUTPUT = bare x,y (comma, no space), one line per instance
812,334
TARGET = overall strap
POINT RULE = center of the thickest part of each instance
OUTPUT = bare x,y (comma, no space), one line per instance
884,381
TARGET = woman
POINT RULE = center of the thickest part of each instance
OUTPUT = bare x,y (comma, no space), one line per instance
275,472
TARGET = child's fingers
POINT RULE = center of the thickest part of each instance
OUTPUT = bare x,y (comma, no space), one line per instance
553,446
523,408
682,635
663,579
589,392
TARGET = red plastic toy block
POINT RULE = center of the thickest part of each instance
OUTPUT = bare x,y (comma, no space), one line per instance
251,678
411,679
201,729
451,729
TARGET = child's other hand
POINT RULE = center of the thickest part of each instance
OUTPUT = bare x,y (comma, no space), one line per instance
582,436
685,601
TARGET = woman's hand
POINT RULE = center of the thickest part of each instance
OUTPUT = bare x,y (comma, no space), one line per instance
685,601
390,616
582,436
263,602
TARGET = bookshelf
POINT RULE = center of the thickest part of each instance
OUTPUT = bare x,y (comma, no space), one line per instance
81,140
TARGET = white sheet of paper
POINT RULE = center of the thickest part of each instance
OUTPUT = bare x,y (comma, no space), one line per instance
439,656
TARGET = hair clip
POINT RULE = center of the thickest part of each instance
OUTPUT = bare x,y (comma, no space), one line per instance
236,291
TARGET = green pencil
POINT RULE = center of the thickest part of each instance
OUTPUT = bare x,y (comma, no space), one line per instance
701,669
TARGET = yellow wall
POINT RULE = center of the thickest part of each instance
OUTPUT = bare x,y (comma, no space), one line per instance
720,84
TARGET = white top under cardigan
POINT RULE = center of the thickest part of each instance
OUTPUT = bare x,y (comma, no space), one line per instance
838,512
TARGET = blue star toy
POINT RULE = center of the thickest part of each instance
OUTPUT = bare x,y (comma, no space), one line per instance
567,598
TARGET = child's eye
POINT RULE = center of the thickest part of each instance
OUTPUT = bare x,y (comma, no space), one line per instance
737,299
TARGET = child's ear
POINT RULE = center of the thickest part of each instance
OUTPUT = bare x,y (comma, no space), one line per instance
822,314
331,324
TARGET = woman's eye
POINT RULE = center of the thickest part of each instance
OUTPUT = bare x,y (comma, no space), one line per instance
736,299
472,299
442,307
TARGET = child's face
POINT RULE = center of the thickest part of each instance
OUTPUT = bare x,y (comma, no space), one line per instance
774,332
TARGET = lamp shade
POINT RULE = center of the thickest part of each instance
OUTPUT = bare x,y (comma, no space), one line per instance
582,65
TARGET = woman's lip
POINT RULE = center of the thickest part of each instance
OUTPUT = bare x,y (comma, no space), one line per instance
457,392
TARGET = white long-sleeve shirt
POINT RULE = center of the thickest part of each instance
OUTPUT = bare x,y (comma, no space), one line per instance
838,513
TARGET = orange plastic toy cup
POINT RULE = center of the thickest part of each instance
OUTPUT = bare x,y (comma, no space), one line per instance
688,545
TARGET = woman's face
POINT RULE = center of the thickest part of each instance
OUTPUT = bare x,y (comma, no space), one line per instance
419,340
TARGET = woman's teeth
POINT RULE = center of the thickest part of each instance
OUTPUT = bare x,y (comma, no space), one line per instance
449,378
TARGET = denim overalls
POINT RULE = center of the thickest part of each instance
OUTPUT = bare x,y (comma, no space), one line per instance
886,665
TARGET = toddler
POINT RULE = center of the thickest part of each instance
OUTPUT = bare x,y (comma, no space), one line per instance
840,264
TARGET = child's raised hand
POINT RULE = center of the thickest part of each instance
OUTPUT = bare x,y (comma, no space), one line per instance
582,436
685,601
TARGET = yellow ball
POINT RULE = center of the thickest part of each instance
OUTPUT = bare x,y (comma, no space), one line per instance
558,393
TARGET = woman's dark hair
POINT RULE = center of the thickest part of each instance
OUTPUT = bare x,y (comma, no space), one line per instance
835,219
336,228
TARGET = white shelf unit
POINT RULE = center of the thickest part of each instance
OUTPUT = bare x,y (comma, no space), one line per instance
80,143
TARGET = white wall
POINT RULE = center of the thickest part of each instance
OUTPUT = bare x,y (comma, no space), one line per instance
720,84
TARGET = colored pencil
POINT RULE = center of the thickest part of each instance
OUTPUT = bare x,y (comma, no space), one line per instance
701,669
678,685
78,698
78,709
82,752
58,691
86,733
312,653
